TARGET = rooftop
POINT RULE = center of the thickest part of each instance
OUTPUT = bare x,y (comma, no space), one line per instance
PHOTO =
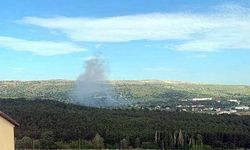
8,118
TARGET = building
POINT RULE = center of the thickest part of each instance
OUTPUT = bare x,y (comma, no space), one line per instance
227,112
7,125
234,101
242,108
202,99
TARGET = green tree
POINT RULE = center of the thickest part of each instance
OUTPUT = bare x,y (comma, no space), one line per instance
174,139
47,140
180,139
191,142
199,140
98,141
36,144
25,142
74,144
137,142
171,141
86,144
124,144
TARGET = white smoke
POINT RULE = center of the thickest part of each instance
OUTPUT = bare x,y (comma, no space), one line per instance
92,87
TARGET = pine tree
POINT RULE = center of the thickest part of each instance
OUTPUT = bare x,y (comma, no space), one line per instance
137,142
171,140
98,141
180,141
156,136
191,141
166,140
186,138
25,142
199,140
124,144
174,139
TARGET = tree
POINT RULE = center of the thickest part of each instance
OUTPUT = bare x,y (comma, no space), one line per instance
60,145
149,145
47,140
81,144
171,141
86,144
74,144
124,144
25,142
199,140
36,144
98,141
191,141
77,121
174,139
137,142
157,136
186,138
180,139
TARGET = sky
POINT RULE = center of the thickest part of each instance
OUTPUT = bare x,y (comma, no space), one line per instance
185,40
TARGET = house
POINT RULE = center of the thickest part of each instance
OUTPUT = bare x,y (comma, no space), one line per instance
202,99
7,125
224,112
242,108
227,112
234,101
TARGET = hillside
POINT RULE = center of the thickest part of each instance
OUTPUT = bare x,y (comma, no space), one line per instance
142,90
51,124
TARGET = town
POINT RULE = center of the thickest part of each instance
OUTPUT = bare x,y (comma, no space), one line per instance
198,105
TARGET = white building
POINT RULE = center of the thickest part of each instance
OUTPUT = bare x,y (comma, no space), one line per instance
202,99
224,112
227,112
234,101
242,108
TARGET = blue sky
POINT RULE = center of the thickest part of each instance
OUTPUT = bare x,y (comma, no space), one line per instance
186,40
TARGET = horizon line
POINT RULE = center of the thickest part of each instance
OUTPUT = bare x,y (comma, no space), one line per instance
169,81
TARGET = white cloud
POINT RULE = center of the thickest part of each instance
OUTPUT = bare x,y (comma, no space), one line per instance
225,27
124,28
45,48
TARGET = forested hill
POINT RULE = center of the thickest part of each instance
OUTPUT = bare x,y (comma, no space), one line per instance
52,124
145,90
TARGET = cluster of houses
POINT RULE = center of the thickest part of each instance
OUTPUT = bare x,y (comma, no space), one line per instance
238,110
201,105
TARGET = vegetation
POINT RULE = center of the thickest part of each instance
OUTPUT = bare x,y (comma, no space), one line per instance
54,89
52,124
141,90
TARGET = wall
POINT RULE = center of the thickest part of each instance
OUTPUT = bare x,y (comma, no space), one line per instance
6,135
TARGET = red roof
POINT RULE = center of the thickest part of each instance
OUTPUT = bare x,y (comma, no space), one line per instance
12,121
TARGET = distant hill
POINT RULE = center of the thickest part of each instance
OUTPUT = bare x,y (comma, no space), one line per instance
51,89
140,90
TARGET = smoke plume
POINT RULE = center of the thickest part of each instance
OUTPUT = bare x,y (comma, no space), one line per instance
92,87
